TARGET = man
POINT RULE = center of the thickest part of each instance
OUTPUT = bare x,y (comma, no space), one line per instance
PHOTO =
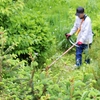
83,29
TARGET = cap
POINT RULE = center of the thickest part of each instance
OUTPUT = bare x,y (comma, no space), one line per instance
79,10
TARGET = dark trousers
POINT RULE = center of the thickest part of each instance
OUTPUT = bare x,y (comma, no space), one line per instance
79,50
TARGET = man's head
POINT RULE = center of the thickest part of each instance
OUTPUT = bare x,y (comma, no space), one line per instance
80,12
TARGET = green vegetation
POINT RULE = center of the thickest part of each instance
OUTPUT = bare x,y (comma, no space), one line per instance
31,37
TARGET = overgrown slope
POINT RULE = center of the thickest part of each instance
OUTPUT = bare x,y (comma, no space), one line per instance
33,37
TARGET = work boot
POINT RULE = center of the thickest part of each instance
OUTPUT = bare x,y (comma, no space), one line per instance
75,67
78,62
87,61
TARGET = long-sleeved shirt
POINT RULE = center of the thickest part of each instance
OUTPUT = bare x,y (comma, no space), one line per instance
85,35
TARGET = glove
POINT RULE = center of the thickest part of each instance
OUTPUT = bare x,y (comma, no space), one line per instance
79,43
67,36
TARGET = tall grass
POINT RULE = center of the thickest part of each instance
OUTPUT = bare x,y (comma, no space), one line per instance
60,14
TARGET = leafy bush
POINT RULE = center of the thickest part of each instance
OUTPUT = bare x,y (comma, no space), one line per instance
28,29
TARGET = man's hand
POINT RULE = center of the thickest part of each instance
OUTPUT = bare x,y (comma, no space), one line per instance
79,43
67,36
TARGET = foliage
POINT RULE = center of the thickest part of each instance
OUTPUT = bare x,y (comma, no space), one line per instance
8,62
61,18
33,30
29,31
49,86
11,69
